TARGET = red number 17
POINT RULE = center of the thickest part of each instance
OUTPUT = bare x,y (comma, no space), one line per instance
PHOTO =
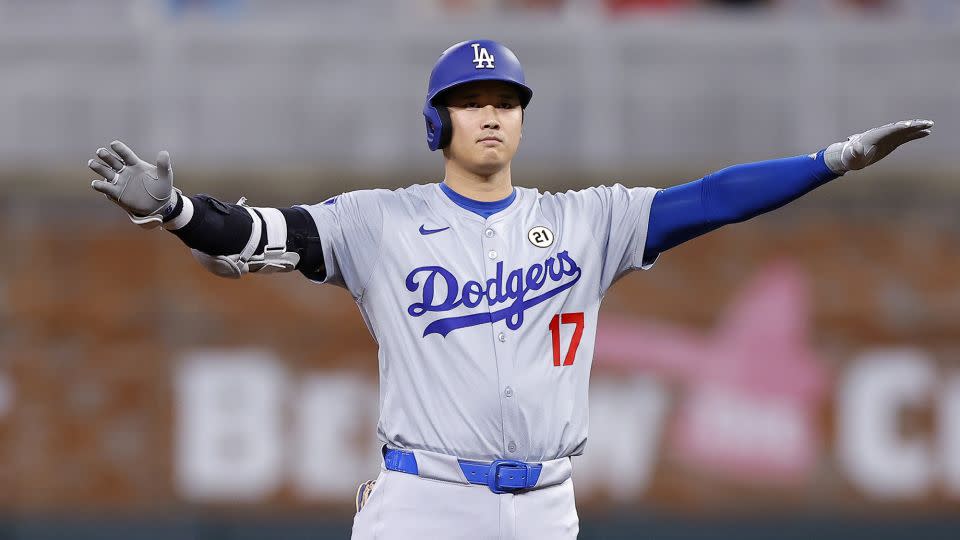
566,318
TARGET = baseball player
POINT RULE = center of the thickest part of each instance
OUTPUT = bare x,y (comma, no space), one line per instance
482,296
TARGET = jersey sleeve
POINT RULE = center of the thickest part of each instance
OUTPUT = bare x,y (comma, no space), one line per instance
619,217
350,227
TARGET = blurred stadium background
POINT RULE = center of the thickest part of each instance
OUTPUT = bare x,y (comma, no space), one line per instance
796,376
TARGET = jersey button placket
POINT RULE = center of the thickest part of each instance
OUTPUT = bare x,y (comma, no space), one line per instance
504,355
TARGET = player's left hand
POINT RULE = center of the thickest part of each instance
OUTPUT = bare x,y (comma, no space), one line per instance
871,146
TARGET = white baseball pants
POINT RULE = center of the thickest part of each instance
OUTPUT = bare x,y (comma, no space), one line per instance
405,506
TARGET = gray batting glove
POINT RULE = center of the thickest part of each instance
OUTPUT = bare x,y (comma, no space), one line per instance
871,146
145,191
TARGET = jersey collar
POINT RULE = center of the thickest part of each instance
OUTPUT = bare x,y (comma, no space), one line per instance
512,202
484,209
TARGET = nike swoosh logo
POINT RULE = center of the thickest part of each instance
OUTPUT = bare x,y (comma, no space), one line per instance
425,231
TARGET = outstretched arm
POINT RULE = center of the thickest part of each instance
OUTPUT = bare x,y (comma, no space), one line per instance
228,239
741,192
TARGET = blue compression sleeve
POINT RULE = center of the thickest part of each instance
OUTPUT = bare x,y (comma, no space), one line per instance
730,195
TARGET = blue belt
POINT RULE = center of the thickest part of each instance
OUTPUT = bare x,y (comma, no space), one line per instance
501,476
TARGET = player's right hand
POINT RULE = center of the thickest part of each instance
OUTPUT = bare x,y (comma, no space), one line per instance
144,190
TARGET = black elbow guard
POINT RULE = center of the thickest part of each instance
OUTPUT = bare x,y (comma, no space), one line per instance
303,239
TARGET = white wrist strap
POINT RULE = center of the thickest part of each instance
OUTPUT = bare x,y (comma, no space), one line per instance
184,217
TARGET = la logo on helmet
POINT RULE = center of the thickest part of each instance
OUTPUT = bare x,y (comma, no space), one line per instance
481,58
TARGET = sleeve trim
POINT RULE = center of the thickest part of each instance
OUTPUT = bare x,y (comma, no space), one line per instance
642,245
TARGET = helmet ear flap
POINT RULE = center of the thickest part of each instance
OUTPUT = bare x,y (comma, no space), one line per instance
446,127
439,130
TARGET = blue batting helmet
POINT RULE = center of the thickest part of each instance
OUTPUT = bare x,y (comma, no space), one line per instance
468,61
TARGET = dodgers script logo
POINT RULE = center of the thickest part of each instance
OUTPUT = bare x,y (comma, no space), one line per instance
561,273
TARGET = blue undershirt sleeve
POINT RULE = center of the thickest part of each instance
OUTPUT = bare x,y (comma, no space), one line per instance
730,195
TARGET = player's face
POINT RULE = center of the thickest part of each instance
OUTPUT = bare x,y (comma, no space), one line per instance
487,123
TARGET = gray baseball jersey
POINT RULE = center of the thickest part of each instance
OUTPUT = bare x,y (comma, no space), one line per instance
485,326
